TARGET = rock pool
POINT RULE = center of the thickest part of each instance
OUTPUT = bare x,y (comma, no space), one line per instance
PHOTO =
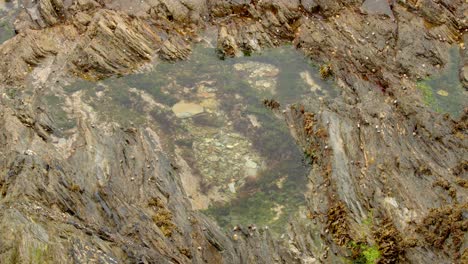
6,23
238,161
444,92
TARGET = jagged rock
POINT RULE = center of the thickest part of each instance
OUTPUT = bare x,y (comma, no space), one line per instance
310,5
52,11
227,44
84,5
23,53
175,49
110,193
180,11
113,44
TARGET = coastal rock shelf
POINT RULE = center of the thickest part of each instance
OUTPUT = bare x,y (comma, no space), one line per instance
222,131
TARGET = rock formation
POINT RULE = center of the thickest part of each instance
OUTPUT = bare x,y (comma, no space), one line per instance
387,170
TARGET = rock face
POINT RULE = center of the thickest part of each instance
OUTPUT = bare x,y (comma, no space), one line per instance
388,174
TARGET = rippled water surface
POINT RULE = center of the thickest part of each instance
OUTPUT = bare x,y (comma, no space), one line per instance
210,114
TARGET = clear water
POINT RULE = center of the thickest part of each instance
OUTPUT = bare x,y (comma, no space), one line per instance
7,13
249,165
444,92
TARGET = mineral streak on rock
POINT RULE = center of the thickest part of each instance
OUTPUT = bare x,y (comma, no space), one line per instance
386,170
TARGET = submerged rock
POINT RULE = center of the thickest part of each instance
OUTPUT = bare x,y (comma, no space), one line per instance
261,76
442,93
186,110
387,172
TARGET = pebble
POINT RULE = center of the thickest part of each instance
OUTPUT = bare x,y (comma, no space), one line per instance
442,93
29,152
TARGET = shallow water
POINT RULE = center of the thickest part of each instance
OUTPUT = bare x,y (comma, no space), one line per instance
444,92
3,4
7,13
210,112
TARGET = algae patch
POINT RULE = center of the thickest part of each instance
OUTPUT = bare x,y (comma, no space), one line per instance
444,92
368,254
212,114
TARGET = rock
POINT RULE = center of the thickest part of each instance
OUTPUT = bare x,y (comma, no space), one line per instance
377,7
261,76
23,53
464,69
251,168
186,110
227,44
310,6
72,202
213,158
250,164
111,45
3,5
307,78
82,20
232,187
254,121
52,11
465,76
86,5
442,93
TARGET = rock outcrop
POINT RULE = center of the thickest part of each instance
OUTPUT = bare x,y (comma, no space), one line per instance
388,173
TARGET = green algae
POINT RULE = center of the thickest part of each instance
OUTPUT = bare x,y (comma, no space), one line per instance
276,193
368,254
6,31
444,92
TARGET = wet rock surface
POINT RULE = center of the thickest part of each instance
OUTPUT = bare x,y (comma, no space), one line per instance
80,183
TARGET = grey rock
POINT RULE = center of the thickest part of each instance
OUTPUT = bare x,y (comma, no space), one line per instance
69,200
310,5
